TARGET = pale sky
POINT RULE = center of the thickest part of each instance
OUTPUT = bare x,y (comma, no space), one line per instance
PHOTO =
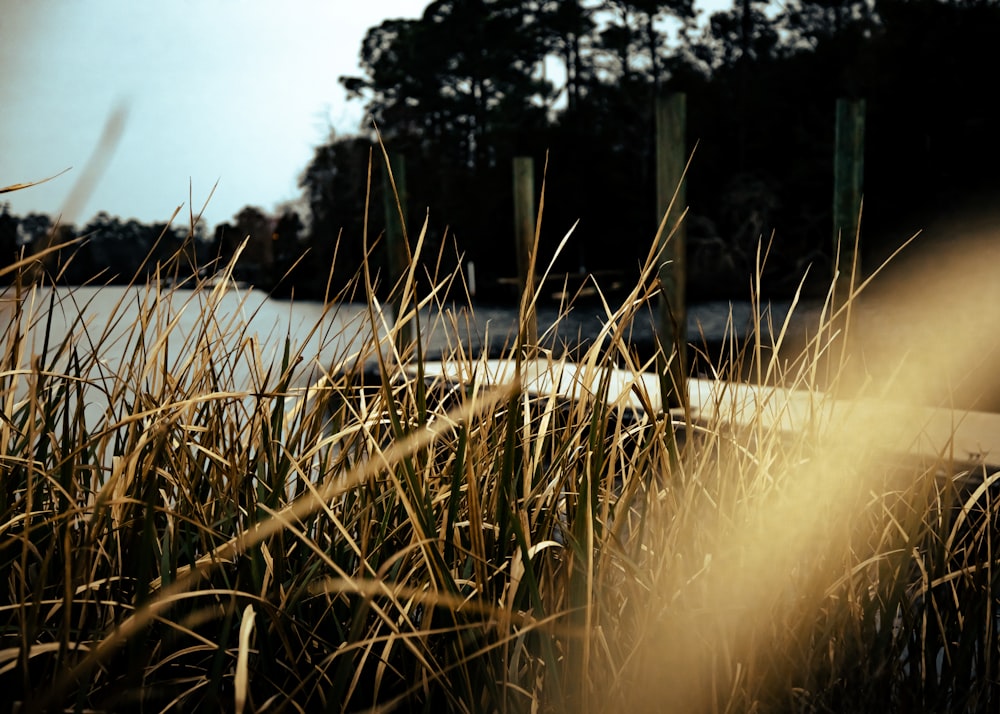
239,91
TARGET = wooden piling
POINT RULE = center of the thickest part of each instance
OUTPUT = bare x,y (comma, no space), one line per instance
524,235
671,158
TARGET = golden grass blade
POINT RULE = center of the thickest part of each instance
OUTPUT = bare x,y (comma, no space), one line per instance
296,511
705,574
29,184
241,678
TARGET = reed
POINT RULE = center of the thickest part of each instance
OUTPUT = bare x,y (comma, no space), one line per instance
199,524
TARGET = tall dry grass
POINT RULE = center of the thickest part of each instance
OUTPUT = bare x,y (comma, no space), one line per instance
174,536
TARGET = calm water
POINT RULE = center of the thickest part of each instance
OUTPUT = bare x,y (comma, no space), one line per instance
710,322
105,317
124,326
178,329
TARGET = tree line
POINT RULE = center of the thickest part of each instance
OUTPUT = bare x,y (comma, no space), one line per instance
109,250
471,84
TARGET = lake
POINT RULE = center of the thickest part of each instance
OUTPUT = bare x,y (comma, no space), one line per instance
105,318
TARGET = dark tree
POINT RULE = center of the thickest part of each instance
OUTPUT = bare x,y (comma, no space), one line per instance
254,227
469,85
635,38
566,31
9,248
290,256
34,228
335,185
463,77
812,21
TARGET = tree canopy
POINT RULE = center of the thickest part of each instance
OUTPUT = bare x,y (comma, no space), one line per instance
461,90
472,83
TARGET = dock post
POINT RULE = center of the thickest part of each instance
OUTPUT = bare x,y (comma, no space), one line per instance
397,246
524,233
671,120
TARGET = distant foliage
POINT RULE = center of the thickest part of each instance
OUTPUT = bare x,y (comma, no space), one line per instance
111,251
472,83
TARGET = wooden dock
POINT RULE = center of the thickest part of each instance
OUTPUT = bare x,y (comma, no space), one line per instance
966,439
